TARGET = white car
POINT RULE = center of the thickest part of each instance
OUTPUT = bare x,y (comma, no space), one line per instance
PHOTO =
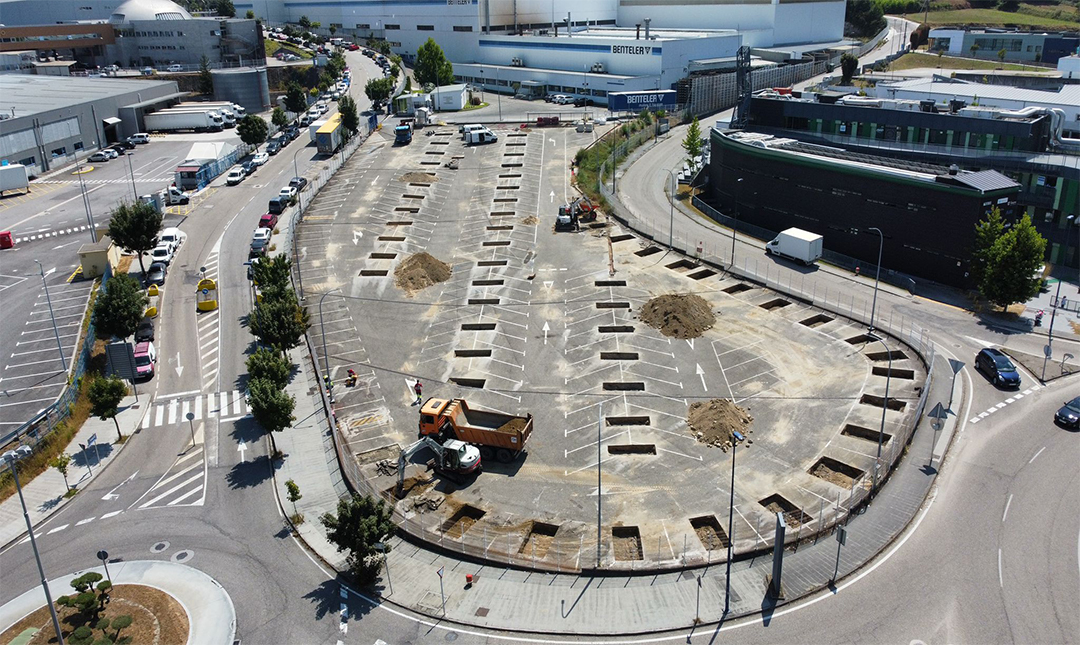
175,68
111,153
287,192
562,99
162,253
173,237
236,175
260,159
139,138
261,234
99,156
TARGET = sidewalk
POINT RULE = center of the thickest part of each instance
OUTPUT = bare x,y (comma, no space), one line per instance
45,493
210,611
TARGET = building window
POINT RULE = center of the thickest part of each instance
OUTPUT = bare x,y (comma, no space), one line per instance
425,27
29,161
393,27
78,146
462,27
336,25
58,152
363,25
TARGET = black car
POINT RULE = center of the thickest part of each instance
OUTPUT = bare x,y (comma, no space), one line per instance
156,273
291,133
277,205
258,247
249,167
997,367
121,146
298,183
582,102
1069,414
273,147
145,332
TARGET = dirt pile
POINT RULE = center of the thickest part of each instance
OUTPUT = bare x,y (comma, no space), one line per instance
420,271
512,426
712,422
531,220
419,178
678,315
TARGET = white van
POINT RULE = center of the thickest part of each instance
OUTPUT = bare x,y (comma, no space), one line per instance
466,129
477,137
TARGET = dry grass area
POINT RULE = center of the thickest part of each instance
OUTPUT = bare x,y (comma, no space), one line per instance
933,61
158,618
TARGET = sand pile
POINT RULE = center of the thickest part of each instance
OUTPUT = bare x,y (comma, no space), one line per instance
712,422
513,426
419,178
420,271
530,220
678,316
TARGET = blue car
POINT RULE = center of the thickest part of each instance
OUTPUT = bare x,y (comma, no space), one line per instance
1069,414
997,367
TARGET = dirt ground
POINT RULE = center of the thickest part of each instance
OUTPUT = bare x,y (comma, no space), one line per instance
830,475
513,426
536,545
627,548
678,315
419,271
157,618
419,178
531,220
712,422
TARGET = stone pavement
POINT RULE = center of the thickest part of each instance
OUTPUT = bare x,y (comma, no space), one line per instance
45,493
210,611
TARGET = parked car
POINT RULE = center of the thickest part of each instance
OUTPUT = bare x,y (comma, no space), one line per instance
261,234
1069,414
122,145
175,68
277,205
148,71
139,138
288,192
172,236
299,183
156,273
145,331
249,167
162,253
581,101
99,156
235,176
111,153
145,358
273,147
260,159
268,221
997,367
258,247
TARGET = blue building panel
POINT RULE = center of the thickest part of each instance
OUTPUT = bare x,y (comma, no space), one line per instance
635,101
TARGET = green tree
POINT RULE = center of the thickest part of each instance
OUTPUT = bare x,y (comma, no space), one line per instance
225,8
432,66
987,233
849,64
360,524
336,64
105,395
1010,274
974,50
1001,55
122,622
271,407
865,16
206,79
378,89
272,275
269,365
295,98
61,462
84,600
293,494
252,130
134,227
333,30
279,118
350,119
250,15
316,25
279,322
1011,6
305,22
119,307
692,142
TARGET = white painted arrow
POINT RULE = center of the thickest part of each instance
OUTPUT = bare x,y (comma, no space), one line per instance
701,373
356,235
375,181
111,494
690,342
240,449
179,367
552,140
546,330
549,284
552,197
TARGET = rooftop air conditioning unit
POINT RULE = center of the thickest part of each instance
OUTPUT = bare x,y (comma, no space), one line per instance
516,62
598,68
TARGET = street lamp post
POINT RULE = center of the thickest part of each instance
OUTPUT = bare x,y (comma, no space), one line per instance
1057,301
884,408
322,330
735,224
296,173
498,94
736,437
877,278
86,199
131,171
671,214
52,317
481,84
9,458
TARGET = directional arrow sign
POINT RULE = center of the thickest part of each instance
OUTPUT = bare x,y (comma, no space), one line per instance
552,140
240,449
112,494
179,367
552,196
356,235
375,181
701,373
549,284
546,330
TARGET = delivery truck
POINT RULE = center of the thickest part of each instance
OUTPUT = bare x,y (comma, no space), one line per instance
228,120
14,177
477,137
498,435
237,110
328,138
166,121
796,244
313,128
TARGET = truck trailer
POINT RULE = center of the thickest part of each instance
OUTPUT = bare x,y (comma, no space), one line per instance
228,120
328,138
14,177
498,435
796,244
166,121
237,110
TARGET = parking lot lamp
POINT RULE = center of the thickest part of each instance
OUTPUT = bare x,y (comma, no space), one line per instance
322,330
52,317
877,276
735,224
131,171
884,409
736,437
671,211
9,458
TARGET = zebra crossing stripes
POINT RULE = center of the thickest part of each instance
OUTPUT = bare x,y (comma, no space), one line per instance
224,405
125,180
44,234
185,480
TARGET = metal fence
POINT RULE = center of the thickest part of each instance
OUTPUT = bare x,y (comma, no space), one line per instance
35,430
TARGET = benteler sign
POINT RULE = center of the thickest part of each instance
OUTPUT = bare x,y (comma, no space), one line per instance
634,50
666,99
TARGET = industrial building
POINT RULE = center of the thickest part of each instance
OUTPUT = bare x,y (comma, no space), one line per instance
1018,45
927,213
50,119
1025,145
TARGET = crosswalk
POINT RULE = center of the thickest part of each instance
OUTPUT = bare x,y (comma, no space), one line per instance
226,406
125,180
183,485
40,235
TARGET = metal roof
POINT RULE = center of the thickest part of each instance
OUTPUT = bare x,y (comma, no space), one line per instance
983,181
1067,95
28,94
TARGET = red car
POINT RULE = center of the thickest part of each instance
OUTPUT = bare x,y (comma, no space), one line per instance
353,47
269,220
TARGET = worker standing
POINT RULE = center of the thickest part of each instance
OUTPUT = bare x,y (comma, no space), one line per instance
418,388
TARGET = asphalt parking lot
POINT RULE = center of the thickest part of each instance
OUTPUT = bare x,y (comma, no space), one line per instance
536,321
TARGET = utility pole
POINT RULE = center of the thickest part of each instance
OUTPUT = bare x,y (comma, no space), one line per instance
52,317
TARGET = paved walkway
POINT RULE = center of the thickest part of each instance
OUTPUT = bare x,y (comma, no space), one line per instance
44,494
209,608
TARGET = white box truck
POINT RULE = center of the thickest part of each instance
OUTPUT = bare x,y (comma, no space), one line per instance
313,129
228,120
796,244
477,137
167,121
14,177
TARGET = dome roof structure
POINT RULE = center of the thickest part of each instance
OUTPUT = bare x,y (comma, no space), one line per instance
148,10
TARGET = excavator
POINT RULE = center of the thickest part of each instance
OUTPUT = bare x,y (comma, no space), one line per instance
453,459
571,215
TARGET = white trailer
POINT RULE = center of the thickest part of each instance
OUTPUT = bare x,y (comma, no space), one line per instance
168,121
236,109
14,177
227,118
313,129
796,244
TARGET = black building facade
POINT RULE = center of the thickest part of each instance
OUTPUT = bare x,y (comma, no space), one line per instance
926,214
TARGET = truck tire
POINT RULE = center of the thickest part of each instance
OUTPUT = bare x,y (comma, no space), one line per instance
504,455
486,452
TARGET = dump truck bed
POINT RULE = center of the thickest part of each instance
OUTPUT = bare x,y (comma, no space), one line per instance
490,428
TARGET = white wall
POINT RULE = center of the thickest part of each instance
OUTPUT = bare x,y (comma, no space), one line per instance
1069,66
955,36
541,11
809,22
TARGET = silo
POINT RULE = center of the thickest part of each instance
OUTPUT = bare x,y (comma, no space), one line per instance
245,85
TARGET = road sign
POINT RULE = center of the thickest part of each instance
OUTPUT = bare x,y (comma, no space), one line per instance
956,365
103,555
440,572
841,535
92,440
1047,351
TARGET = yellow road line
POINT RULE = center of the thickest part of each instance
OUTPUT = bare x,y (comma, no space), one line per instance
73,274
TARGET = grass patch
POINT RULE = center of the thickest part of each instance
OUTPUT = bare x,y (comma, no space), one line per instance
469,106
995,18
930,61
272,47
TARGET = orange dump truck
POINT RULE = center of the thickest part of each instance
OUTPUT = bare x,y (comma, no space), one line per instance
497,435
